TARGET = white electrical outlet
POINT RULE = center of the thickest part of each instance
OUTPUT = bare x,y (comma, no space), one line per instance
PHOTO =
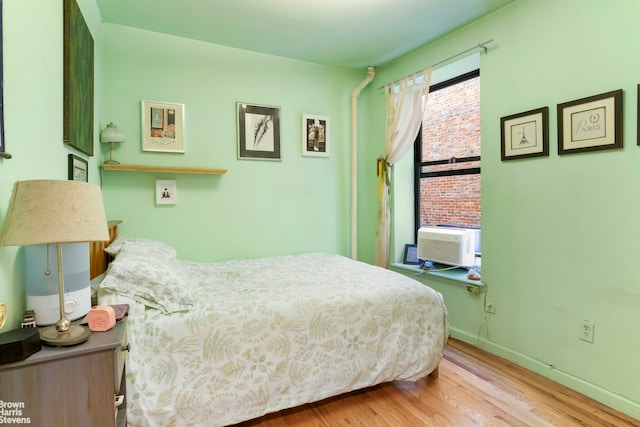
586,331
490,305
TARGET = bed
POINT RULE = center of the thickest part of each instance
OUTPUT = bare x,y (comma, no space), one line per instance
219,343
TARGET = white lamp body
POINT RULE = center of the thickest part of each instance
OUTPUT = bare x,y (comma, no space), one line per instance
111,135
42,289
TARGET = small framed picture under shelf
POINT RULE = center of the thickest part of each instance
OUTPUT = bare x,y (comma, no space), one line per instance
165,192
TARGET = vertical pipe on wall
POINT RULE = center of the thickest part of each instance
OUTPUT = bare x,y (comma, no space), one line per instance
354,161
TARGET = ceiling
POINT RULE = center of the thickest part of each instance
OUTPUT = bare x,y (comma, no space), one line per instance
342,33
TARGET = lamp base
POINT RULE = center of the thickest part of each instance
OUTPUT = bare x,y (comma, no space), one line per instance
75,335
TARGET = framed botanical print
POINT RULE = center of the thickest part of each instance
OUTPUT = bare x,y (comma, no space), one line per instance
258,132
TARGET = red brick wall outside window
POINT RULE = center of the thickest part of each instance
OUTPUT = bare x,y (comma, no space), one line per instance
451,128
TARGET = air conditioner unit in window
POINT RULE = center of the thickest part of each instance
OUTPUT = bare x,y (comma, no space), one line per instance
451,246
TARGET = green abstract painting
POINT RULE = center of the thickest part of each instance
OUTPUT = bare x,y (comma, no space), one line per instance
78,80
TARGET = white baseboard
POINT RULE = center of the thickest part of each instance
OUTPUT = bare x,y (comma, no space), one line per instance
600,394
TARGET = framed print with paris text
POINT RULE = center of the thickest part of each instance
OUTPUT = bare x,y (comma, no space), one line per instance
258,132
315,135
525,134
78,168
162,127
590,124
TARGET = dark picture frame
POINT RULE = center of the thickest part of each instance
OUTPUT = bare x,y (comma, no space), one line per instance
78,168
410,254
315,135
590,124
525,135
78,80
258,132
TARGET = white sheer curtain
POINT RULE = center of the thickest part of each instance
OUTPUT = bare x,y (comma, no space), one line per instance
405,108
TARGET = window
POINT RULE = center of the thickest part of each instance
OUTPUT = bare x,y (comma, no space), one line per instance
447,156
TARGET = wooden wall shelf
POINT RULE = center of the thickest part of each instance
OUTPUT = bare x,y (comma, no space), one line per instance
163,169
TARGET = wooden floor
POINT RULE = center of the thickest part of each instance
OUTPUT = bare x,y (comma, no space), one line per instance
474,388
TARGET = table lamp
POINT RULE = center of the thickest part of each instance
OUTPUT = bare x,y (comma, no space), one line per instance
48,212
111,135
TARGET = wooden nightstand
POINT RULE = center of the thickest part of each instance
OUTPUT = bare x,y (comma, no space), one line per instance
69,386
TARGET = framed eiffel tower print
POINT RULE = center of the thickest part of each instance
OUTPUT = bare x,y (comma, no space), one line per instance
525,134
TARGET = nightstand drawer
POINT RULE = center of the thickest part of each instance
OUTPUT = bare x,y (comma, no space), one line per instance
88,373
120,359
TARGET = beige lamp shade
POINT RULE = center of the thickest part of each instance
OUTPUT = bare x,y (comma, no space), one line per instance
50,211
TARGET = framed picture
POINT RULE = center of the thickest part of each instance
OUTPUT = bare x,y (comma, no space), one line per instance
78,168
165,192
589,124
258,132
525,134
410,254
315,135
638,118
78,80
162,127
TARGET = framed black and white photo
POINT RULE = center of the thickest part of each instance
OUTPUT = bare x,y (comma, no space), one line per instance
162,127
258,132
315,135
78,168
525,134
590,124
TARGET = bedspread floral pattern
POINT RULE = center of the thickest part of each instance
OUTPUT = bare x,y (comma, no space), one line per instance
273,333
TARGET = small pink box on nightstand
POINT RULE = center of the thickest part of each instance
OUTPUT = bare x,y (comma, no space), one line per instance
101,318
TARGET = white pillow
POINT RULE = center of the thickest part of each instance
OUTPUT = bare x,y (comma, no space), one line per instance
141,245
155,282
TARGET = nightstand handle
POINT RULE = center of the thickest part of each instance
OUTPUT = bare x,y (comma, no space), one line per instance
126,347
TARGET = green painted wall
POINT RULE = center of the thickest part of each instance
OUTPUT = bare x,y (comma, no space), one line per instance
33,102
257,208
559,233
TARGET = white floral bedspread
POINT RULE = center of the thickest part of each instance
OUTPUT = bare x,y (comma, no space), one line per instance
273,333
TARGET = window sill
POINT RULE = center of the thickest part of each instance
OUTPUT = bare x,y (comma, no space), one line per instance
456,275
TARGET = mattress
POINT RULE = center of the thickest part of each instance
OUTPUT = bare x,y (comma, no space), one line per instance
231,341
